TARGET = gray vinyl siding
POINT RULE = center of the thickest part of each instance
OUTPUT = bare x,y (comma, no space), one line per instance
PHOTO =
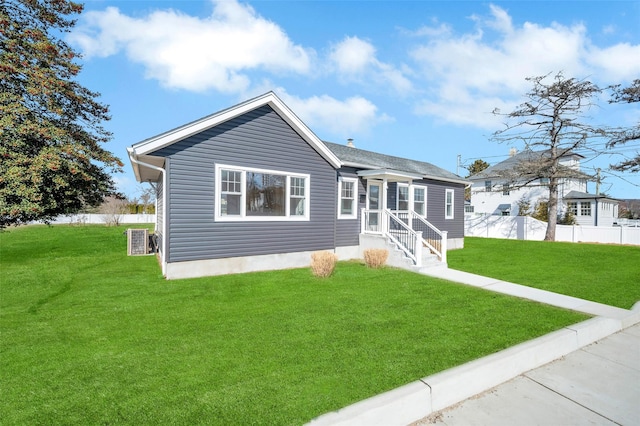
348,230
436,207
257,139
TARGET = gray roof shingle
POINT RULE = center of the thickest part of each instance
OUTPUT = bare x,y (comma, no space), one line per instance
374,160
526,156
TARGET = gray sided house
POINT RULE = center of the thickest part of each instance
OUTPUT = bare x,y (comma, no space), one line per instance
253,188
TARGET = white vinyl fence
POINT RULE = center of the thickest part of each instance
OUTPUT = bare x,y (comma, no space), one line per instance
528,228
91,218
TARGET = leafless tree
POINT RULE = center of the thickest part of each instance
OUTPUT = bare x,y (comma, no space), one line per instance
550,121
113,208
629,94
147,196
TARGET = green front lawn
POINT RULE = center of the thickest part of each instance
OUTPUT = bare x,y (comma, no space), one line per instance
602,273
91,336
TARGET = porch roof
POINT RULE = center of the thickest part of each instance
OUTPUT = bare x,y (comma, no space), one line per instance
577,195
389,175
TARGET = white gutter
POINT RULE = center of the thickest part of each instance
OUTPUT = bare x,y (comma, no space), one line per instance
134,160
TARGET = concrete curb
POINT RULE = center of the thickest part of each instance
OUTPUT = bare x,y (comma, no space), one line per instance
418,399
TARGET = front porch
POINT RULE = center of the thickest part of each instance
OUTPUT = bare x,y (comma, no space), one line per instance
418,240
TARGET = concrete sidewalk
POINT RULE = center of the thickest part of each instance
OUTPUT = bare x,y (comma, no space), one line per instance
543,296
596,384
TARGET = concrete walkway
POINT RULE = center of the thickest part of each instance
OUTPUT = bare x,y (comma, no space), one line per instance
588,373
596,385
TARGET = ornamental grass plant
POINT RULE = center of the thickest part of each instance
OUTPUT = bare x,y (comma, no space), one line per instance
375,258
323,263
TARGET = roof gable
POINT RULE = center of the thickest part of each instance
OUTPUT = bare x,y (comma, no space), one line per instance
144,149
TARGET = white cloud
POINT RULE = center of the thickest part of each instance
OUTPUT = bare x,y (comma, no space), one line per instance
339,118
619,63
355,61
353,55
470,74
192,53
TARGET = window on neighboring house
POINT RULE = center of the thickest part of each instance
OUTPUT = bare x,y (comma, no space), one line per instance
255,194
544,181
572,207
585,209
403,197
348,190
420,200
448,204
505,189
487,186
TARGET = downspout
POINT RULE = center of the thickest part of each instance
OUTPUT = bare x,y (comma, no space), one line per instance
596,212
164,207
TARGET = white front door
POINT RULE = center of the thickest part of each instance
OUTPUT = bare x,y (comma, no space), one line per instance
374,205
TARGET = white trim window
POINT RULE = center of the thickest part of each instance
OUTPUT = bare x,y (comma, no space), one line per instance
347,198
412,197
420,200
448,204
403,197
244,194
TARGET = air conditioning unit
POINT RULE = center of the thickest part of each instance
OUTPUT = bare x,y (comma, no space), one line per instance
137,242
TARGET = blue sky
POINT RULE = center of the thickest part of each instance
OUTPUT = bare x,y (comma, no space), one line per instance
415,79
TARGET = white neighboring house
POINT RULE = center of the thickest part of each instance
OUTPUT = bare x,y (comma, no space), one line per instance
590,209
494,193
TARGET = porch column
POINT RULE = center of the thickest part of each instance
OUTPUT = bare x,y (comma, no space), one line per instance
385,225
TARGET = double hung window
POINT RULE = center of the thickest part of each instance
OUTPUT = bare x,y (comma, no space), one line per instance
403,197
348,194
230,192
256,194
448,204
412,197
420,200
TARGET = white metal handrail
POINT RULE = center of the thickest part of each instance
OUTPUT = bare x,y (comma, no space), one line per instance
432,237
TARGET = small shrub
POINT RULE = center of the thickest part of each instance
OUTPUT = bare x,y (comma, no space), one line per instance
375,258
567,219
541,212
323,263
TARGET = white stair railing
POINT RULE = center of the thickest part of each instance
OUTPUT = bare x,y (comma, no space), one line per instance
395,229
432,237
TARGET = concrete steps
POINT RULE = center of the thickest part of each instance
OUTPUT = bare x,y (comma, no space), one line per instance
397,257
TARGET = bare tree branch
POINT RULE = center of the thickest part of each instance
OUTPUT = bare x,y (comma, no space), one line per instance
552,118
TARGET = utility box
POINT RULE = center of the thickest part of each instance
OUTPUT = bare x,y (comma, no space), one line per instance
137,242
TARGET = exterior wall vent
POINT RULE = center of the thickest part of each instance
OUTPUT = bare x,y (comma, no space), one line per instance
137,242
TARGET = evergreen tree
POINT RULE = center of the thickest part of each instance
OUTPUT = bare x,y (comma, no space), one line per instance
51,157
